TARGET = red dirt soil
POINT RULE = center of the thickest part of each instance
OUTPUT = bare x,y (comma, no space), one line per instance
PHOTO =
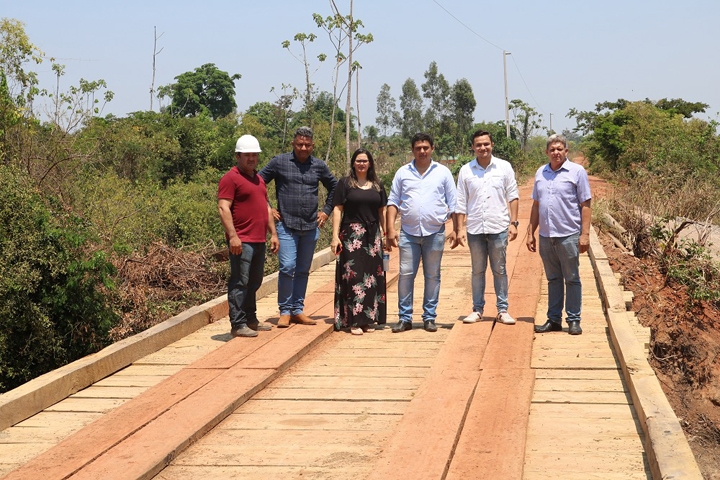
685,346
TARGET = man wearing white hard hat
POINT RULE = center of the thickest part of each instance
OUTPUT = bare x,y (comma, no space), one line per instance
246,217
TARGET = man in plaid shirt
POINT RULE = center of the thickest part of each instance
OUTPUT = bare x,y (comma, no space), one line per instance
297,176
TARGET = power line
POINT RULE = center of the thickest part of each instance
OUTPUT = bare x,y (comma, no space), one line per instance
470,29
499,48
526,85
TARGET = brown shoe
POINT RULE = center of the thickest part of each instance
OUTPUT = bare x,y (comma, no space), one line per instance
284,321
302,319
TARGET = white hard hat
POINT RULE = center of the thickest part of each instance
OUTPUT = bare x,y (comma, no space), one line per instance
247,144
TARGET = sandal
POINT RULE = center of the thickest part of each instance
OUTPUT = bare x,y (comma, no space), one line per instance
356,330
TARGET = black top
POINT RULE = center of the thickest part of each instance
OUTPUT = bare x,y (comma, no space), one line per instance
359,205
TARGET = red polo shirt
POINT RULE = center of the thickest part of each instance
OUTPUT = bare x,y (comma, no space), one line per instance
249,204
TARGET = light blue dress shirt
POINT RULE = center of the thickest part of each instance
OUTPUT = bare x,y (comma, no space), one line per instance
425,202
560,194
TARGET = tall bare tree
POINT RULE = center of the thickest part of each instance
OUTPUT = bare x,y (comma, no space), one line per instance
156,52
343,34
304,39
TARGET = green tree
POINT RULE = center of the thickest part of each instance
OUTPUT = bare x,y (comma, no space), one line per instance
624,135
206,90
371,132
463,111
388,117
678,105
411,108
15,51
526,121
436,90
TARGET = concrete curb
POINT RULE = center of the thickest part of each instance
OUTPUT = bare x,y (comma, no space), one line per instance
48,389
668,451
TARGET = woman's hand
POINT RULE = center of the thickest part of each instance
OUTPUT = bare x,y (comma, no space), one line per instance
336,246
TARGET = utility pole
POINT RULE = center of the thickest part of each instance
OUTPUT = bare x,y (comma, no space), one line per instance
507,111
551,122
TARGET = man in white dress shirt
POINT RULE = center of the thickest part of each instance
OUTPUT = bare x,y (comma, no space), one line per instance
487,210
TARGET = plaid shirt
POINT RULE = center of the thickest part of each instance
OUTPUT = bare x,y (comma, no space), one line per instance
296,189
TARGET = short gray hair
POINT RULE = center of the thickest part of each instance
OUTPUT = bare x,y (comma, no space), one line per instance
556,138
304,132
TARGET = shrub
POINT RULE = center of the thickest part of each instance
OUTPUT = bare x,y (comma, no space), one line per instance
54,287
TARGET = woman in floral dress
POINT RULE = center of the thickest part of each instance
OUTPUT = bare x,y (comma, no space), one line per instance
358,219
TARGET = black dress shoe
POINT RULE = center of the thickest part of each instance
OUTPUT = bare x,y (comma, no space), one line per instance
548,326
574,327
430,326
401,326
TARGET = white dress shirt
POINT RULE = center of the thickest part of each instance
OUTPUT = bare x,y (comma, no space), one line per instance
483,194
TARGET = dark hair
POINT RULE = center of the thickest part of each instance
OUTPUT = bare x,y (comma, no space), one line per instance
371,175
480,133
422,137
304,132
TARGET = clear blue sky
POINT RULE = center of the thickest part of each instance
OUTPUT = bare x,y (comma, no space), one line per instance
564,54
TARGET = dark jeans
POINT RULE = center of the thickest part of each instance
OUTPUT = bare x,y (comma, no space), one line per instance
246,276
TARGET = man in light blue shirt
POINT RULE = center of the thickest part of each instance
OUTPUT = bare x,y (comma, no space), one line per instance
423,192
561,208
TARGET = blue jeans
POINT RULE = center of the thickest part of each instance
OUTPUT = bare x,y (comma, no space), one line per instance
246,276
561,258
412,249
297,248
482,247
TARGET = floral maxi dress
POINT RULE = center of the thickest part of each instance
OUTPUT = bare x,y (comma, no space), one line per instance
360,293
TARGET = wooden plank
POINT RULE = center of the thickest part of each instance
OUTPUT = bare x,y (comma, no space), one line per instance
109,392
372,371
493,435
130,381
350,362
336,394
335,471
162,370
573,385
149,449
582,445
599,410
576,362
77,451
582,397
271,447
590,465
605,374
583,427
321,407
321,421
422,444
339,382
98,405
43,419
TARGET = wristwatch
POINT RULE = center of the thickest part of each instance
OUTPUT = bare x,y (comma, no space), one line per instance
515,223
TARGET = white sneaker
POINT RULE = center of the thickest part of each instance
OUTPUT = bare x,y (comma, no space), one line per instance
473,317
504,317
